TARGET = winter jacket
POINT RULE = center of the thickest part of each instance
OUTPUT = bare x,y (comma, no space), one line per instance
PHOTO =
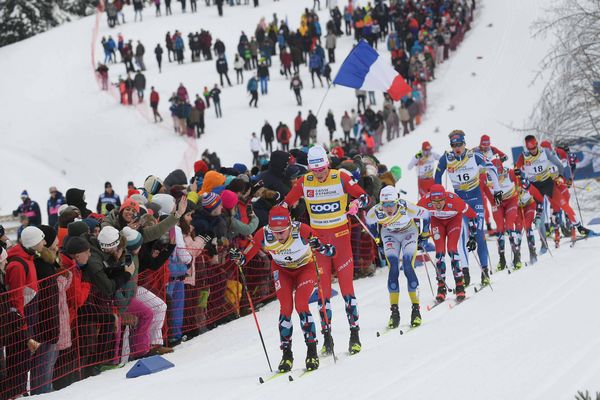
104,274
252,85
74,197
31,209
267,133
315,63
47,324
283,134
239,63
139,81
255,144
52,207
274,176
21,278
235,227
222,66
330,41
149,233
346,123
262,71
105,199
154,97
330,122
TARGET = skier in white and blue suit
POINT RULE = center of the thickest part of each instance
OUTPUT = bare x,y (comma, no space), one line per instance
392,223
464,167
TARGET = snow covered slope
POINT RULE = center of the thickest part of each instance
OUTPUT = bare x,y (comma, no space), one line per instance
534,337
63,131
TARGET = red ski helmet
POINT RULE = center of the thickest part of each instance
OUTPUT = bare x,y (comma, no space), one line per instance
437,192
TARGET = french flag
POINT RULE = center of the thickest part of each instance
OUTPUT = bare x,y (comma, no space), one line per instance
365,69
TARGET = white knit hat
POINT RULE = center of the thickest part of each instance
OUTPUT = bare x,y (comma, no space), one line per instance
109,238
165,201
317,157
31,236
388,193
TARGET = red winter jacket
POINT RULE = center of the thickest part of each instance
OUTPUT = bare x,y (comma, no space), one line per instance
21,278
154,97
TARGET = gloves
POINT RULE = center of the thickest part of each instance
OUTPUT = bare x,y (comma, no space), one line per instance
314,243
360,202
353,208
539,210
517,172
471,243
237,257
572,161
498,197
472,227
423,237
419,155
525,183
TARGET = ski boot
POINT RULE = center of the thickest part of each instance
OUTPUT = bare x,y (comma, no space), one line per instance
556,238
394,321
287,361
582,229
517,264
354,346
312,359
327,348
466,276
502,264
415,316
441,294
460,290
532,254
485,277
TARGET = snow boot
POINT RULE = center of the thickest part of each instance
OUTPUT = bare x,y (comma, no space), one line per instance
394,321
415,316
485,277
502,264
354,345
312,359
466,276
460,290
327,348
441,293
287,361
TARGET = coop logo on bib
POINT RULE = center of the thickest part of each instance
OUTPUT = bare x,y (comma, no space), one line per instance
325,208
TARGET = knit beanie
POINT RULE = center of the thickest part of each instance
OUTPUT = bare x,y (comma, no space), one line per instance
77,228
91,223
153,184
210,201
109,238
240,168
76,245
31,236
134,238
165,201
229,199
49,234
212,179
200,166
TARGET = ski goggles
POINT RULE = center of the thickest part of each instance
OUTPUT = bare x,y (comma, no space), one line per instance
319,170
389,203
457,144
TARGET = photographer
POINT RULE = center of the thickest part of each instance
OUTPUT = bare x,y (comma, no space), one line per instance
235,226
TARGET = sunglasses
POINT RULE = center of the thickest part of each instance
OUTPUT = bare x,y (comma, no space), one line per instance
319,170
456,145
388,203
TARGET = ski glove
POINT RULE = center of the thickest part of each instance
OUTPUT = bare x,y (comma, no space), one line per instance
472,243
473,227
237,257
419,155
325,249
498,197
360,202
573,161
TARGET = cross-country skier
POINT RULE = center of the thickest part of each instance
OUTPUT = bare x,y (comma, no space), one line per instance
325,193
447,211
540,166
489,152
291,246
464,167
424,160
505,215
530,208
392,222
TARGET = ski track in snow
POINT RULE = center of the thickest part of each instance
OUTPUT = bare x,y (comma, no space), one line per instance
533,337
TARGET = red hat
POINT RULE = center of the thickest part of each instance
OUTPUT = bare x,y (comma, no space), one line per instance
130,203
437,192
200,166
131,192
279,219
426,146
530,142
229,199
546,144
484,141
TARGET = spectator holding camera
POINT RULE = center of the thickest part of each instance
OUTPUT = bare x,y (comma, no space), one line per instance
235,225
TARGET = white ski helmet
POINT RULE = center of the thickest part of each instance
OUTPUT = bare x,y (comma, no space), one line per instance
388,193
317,157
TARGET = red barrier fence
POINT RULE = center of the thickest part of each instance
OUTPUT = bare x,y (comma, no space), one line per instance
81,332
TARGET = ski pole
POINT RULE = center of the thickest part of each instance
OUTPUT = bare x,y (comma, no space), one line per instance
427,271
324,305
365,228
576,197
243,276
437,272
478,263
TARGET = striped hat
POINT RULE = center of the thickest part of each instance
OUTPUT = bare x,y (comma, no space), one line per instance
109,238
210,201
134,238
153,184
